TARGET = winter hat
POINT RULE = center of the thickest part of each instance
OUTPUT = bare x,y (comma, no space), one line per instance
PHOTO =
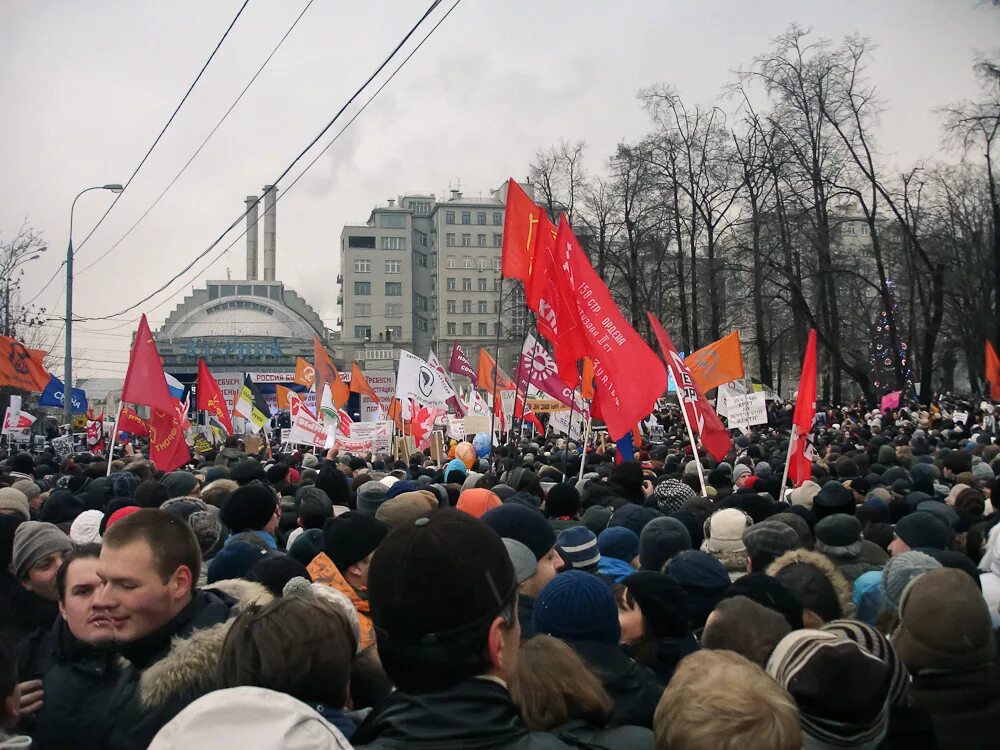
982,471
207,527
798,524
741,470
503,491
922,529
249,508
817,583
633,517
697,569
300,586
671,494
245,471
242,717
119,514
840,688
944,513
306,546
401,487
596,518
804,494
944,624
477,501
899,571
660,540
407,508
577,546
762,469
276,569
86,528
29,487
578,606
724,530
768,592
351,537
562,500
833,497
310,461
61,506
876,644
839,530
180,483
234,561
867,596
276,473
22,463
15,502
523,560
526,525
770,538
33,541
970,501
456,464
663,603
370,496
618,542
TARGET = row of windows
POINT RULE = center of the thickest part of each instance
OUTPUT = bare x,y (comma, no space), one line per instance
364,310
392,221
482,285
449,217
449,240
482,307
389,333
364,265
481,263
392,289
482,329
386,243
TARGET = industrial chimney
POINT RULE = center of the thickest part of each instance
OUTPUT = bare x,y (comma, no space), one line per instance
251,237
270,198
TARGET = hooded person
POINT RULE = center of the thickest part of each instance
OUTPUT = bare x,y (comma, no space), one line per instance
349,541
704,580
477,501
252,508
619,548
724,539
839,538
824,593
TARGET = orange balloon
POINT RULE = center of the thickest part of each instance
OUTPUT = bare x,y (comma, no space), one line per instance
466,453
451,451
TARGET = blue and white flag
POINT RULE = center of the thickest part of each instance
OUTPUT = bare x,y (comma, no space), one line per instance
53,396
175,386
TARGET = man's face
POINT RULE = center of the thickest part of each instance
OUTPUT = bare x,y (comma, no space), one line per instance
41,578
132,594
358,573
898,546
548,567
77,607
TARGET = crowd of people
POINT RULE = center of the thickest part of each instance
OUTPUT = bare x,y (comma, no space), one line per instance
542,597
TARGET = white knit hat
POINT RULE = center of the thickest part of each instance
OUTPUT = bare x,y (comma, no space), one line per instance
86,528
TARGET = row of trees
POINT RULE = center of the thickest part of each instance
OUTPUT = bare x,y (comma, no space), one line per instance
773,211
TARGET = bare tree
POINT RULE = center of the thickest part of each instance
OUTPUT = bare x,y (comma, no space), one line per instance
559,174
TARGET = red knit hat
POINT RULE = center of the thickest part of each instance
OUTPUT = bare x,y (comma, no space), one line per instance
119,514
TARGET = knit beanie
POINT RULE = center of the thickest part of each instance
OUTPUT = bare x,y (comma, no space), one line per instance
768,592
578,606
839,531
562,500
526,525
29,487
671,494
249,508
577,546
276,569
922,529
944,624
618,542
477,501
370,496
307,545
899,571
180,483
234,561
13,501
596,518
697,569
872,641
724,530
119,514
523,560
33,541
61,506
868,596
351,537
86,528
662,601
770,538
661,539
762,469
798,524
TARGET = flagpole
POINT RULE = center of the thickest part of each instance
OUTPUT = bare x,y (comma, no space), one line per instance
572,408
527,378
583,448
690,432
788,461
114,436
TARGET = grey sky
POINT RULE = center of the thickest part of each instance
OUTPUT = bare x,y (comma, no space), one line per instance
87,85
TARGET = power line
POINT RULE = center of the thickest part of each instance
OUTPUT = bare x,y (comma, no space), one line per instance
287,169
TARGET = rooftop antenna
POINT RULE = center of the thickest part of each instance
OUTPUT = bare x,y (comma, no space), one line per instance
228,276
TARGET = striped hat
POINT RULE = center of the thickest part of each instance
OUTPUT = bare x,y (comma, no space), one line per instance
840,688
872,641
577,546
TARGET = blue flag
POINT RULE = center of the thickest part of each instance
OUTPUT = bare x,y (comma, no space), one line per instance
53,396
626,449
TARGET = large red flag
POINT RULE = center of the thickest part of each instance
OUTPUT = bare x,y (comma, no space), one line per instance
210,397
145,382
520,227
992,372
131,423
700,414
167,448
460,364
800,464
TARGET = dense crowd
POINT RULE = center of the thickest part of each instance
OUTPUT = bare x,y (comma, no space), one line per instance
541,597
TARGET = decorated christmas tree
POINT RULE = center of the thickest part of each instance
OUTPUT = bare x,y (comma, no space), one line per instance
882,358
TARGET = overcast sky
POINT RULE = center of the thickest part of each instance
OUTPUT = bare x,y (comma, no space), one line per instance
87,86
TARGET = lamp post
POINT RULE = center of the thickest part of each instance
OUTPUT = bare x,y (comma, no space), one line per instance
68,374
19,258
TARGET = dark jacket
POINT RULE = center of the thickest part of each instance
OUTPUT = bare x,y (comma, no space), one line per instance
473,715
133,723
526,616
21,611
965,707
78,681
663,655
581,734
634,689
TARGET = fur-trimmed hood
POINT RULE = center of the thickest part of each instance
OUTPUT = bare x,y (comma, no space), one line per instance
191,665
824,565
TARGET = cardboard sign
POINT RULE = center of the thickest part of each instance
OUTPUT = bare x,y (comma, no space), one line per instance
456,427
63,446
960,417
252,443
746,410
546,405
476,423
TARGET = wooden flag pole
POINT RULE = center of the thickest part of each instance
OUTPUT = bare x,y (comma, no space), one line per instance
694,446
114,436
788,461
583,448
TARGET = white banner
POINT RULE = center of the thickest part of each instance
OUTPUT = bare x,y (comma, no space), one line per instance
383,382
15,409
456,427
746,411
367,437
306,431
418,380
560,422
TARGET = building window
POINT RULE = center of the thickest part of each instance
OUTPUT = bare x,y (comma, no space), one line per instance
467,262
466,285
497,264
466,329
482,284
496,306
466,217
497,219
451,329
421,301
393,310
451,262
450,284
361,242
497,327
364,333
449,217
394,243
362,265
481,240
481,217
421,324
497,240
466,306
393,289
378,353
484,329
362,310
466,240
392,221
394,266
363,288
482,263
849,228
496,284
483,307
421,260
449,240
452,309
393,333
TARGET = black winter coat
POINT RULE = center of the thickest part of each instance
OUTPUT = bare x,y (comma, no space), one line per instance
634,689
22,612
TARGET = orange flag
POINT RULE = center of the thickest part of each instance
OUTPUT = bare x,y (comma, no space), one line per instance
992,371
717,363
21,367
281,393
360,384
487,366
305,373
587,382
326,372
520,228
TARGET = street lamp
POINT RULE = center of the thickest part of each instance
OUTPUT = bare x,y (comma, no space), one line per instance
68,375
18,258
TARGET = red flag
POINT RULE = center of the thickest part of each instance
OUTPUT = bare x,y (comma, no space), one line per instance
460,364
800,465
700,414
167,448
992,372
131,423
210,397
145,382
520,227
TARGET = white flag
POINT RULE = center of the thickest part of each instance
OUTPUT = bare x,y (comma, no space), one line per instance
420,381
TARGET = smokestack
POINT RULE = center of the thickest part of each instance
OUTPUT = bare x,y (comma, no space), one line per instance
270,197
251,237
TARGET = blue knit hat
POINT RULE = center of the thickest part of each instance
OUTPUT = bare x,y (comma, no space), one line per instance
618,542
526,525
123,485
633,517
578,606
577,546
